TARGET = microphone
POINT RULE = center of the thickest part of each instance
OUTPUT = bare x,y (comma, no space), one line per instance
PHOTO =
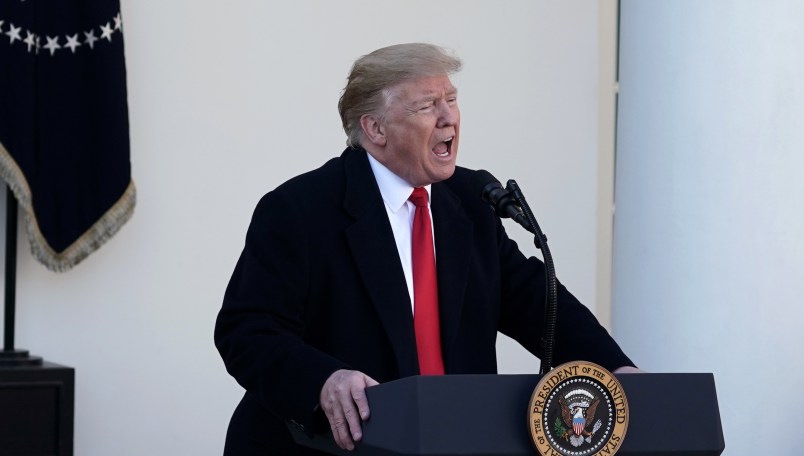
504,204
510,202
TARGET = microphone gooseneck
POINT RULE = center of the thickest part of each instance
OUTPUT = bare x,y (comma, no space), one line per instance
510,202
551,293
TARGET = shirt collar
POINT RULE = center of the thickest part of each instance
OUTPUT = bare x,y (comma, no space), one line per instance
395,191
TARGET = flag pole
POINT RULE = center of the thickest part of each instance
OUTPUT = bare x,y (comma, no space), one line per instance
10,356
11,271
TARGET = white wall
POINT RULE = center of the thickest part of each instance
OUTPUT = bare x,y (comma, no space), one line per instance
227,100
708,244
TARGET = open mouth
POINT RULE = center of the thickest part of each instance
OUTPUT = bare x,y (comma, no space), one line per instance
444,148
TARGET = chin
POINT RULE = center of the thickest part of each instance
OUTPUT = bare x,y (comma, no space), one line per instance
444,174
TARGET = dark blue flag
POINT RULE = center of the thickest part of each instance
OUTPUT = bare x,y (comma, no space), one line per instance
64,145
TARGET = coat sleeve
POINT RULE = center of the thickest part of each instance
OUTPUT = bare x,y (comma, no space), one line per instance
579,336
260,328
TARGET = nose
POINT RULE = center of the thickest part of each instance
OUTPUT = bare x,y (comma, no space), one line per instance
448,114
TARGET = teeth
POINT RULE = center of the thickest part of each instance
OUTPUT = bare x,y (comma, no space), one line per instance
446,147
441,149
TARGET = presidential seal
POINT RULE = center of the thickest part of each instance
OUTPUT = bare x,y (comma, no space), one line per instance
578,409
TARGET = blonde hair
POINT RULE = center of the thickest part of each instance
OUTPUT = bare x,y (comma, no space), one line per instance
373,74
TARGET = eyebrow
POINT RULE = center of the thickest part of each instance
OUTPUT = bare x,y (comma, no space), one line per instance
430,96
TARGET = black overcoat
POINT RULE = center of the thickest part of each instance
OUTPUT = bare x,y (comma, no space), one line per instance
319,286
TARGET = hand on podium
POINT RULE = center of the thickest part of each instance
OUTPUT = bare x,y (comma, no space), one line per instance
343,398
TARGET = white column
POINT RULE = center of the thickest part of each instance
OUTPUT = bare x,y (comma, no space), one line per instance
709,222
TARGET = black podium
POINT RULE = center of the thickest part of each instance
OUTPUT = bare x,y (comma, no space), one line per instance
670,414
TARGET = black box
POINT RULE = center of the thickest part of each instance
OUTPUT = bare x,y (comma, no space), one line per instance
36,410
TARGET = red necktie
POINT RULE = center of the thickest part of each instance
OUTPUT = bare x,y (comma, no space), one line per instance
425,289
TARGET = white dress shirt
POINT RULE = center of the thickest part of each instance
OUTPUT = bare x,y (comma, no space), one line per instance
395,192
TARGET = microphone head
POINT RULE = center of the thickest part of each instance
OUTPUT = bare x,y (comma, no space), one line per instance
480,180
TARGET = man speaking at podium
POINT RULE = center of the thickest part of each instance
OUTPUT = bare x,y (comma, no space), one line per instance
381,264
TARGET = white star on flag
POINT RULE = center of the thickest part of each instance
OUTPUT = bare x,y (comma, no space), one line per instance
72,42
30,40
90,38
52,44
13,33
107,32
118,22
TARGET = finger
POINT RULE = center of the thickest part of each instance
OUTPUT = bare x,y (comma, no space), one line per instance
360,399
337,424
351,413
340,433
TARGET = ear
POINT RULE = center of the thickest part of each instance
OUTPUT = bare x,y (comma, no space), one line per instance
373,129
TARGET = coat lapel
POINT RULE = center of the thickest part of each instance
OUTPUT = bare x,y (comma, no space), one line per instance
371,241
453,240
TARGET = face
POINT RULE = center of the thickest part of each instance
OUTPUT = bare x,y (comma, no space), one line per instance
417,137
